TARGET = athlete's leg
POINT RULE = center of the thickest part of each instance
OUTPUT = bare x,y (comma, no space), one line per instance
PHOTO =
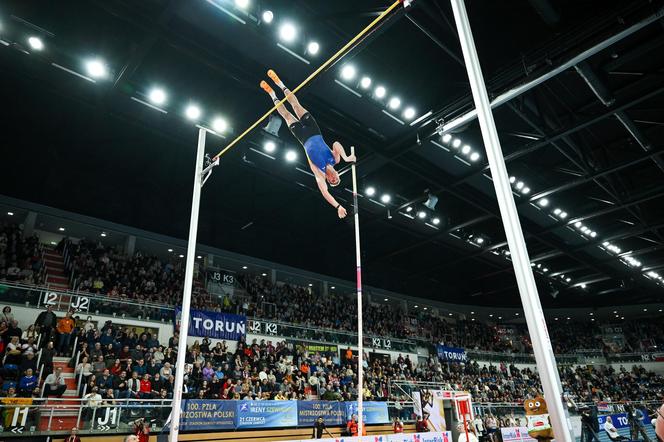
285,113
292,99
338,152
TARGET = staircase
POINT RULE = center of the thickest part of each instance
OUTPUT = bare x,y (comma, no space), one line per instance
55,270
65,412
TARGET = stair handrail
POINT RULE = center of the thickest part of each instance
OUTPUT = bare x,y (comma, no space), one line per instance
80,406
41,373
80,375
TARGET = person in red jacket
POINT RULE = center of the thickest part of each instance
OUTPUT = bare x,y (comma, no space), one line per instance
421,425
73,436
398,425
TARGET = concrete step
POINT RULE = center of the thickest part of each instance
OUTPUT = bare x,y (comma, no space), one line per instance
59,423
57,279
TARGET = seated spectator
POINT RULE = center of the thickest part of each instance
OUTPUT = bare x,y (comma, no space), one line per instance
145,387
27,384
611,430
55,384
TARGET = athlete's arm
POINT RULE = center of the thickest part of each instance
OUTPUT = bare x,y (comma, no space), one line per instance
322,186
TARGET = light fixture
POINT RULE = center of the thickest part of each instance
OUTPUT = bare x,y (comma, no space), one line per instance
287,32
563,215
157,95
181,256
333,287
578,224
583,286
219,125
593,234
242,4
414,306
313,47
394,103
10,213
568,279
370,191
556,211
348,72
436,221
263,274
365,82
170,250
380,92
465,149
525,190
192,112
36,43
456,143
543,202
385,299
311,285
291,156
53,243
421,214
96,68
512,179
519,185
479,240
385,198
449,314
269,146
199,257
474,156
103,234
409,113
268,16
408,209
244,267
446,138
62,229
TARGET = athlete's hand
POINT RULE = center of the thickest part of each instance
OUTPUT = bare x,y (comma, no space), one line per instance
341,212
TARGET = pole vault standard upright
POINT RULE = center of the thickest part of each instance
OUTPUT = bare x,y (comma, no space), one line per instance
546,362
200,177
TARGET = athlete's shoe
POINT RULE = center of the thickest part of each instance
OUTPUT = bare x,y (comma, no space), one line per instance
273,75
266,87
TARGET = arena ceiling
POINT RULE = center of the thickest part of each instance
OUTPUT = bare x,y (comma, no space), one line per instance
587,142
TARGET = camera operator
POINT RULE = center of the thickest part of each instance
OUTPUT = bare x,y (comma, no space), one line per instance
589,424
635,418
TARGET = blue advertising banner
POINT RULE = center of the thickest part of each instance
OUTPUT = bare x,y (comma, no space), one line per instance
374,412
618,420
334,413
208,415
452,354
215,325
266,414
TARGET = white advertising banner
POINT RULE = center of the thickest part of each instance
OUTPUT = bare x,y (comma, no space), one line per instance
445,436
429,404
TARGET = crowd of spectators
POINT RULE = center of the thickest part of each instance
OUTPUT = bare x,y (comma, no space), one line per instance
20,256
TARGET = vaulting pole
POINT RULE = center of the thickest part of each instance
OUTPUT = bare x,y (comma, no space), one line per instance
188,283
360,337
546,362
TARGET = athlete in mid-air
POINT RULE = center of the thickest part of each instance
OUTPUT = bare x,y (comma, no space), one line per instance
321,158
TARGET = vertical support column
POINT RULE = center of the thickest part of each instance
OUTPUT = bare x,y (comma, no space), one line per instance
29,224
186,298
326,288
130,245
273,276
210,260
546,363
360,337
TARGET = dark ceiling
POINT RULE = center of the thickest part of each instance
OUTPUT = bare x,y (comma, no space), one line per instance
588,140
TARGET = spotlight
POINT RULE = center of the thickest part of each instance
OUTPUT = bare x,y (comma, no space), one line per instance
456,143
170,250
269,146
244,267
583,286
268,16
36,43
408,209
291,156
242,4
10,213
181,256
385,198
474,156
96,68
287,32
512,179
313,47
394,103
370,191
157,96
62,229
365,82
219,125
421,214
199,257
380,92
578,224
409,113
447,138
436,221
263,274
525,190
568,279
103,234
348,72
556,211
465,149
519,185
192,112
479,240
543,202
593,234
563,215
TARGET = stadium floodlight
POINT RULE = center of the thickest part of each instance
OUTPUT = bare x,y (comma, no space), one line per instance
474,156
181,256
556,211
62,229
578,224
409,209
563,214
380,92
365,82
436,221
409,113
394,103
10,213
267,16
519,185
421,214
348,72
103,234
446,138
512,179
287,32
525,190
192,112
593,234
385,198
219,125
479,240
36,43
157,96
465,149
291,156
170,250
96,68
313,47
370,191
456,143
269,146
543,202
242,4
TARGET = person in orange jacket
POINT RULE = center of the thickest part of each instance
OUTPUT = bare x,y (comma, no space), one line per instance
352,425
65,328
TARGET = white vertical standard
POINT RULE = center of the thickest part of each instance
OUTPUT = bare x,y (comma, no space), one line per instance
188,283
360,337
546,362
